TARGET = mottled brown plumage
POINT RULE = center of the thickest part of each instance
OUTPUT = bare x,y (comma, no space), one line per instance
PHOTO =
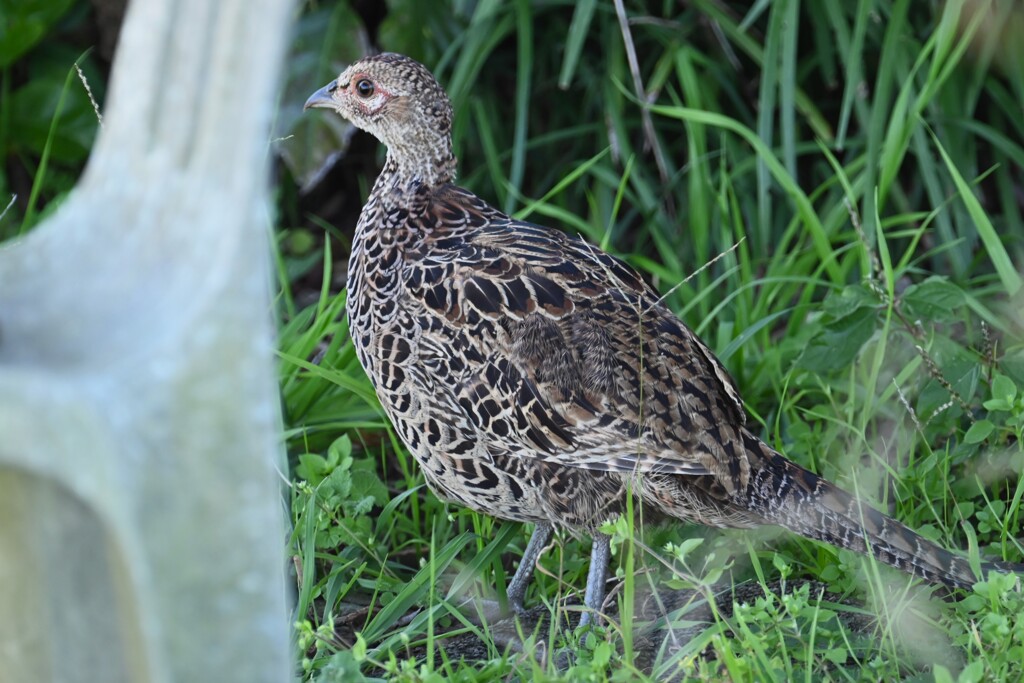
535,378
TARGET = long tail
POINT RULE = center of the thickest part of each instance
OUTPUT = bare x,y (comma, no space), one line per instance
788,495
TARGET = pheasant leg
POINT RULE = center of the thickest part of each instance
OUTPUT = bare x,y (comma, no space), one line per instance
593,599
517,587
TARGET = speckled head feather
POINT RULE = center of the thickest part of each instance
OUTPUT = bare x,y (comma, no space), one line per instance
398,101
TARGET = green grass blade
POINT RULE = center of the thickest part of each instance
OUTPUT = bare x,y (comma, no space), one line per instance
44,159
804,209
1008,274
578,30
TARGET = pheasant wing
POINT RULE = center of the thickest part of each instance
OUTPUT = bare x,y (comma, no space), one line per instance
580,363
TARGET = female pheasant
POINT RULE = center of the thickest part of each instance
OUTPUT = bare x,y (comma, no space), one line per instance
536,378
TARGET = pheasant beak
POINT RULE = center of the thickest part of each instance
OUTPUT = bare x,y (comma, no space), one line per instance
322,97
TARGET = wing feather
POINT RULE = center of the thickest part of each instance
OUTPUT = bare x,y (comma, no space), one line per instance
584,365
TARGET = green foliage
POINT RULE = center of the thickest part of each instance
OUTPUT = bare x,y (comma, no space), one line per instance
23,23
326,37
49,92
995,638
1007,403
850,319
47,121
342,482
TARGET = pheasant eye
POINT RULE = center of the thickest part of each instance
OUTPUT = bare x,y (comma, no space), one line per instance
365,87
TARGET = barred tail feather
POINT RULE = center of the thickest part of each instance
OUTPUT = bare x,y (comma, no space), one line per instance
788,495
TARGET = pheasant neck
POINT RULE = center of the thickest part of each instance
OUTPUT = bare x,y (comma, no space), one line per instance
426,162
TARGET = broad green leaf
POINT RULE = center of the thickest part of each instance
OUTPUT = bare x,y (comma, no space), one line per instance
849,299
23,23
839,342
366,483
339,450
942,674
973,672
933,299
979,431
312,467
1004,388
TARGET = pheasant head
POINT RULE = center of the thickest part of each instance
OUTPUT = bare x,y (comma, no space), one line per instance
395,99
